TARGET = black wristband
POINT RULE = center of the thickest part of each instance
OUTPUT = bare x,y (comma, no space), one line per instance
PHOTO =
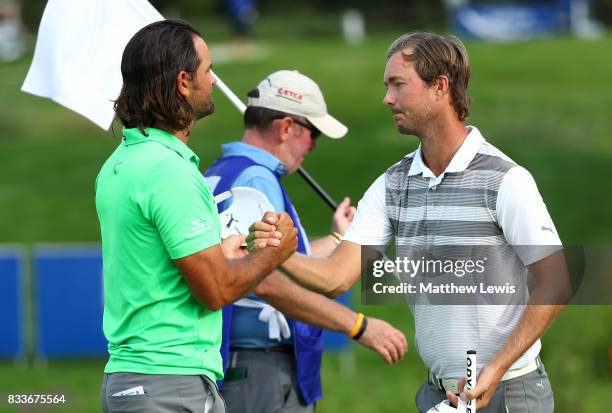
362,330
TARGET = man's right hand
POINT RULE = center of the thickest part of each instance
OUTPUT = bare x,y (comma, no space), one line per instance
289,240
274,230
215,281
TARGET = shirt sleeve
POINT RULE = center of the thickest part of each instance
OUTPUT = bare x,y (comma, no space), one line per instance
523,217
179,203
371,225
260,178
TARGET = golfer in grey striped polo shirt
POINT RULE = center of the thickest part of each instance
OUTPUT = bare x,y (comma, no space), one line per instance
455,189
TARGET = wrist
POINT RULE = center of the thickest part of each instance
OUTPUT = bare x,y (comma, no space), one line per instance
499,365
336,237
348,323
339,228
285,266
359,327
362,330
264,258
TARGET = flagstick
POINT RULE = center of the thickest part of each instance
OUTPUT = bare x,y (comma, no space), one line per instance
229,94
317,188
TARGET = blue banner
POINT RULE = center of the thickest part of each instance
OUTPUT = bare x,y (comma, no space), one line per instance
11,303
511,21
69,301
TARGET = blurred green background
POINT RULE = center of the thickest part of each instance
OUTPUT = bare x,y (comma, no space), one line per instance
545,103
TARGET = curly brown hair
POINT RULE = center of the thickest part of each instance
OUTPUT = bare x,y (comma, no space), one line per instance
434,55
150,64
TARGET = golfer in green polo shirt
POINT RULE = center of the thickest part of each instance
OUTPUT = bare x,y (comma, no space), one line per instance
165,273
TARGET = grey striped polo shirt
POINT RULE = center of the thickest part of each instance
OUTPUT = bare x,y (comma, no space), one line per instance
459,207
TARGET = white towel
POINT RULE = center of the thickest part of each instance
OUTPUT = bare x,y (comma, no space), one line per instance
446,407
277,323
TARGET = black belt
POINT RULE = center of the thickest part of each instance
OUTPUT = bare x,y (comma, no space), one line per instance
274,349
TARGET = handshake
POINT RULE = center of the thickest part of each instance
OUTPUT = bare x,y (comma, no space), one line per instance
274,230
270,243
274,236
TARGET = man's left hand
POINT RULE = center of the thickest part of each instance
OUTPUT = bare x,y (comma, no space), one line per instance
386,340
233,247
263,233
486,384
343,216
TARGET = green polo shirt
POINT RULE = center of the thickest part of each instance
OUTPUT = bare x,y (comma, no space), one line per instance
154,206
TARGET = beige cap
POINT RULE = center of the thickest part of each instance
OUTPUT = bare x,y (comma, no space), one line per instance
291,92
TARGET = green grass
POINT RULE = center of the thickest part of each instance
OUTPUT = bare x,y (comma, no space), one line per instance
545,103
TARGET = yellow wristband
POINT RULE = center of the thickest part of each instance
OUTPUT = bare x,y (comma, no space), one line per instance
357,325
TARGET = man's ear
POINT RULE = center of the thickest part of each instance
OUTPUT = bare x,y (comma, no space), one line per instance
441,85
183,83
284,128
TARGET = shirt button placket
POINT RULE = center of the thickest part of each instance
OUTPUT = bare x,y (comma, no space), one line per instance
431,202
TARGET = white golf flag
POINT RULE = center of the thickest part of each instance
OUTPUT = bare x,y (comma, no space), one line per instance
77,60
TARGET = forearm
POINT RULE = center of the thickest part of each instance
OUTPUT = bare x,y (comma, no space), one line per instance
244,274
532,325
331,275
216,281
316,274
312,308
552,291
304,305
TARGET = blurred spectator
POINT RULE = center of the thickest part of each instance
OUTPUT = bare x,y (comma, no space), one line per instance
243,14
12,44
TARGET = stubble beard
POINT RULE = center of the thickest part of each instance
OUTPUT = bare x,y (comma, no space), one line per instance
416,124
206,110
405,127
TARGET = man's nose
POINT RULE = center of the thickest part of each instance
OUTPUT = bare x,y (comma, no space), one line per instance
388,99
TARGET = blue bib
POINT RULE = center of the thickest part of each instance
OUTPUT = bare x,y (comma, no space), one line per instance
307,339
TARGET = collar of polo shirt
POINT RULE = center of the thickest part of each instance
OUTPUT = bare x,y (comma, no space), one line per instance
132,136
468,149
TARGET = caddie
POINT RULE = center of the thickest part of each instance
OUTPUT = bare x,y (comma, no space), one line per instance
274,337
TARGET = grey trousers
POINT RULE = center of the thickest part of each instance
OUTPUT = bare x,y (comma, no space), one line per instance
262,382
159,393
530,393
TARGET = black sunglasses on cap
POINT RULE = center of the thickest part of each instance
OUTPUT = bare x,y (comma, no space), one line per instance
314,132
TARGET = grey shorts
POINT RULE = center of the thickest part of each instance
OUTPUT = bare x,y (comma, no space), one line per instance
263,382
530,393
159,393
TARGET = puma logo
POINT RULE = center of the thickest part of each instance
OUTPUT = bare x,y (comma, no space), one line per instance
232,219
540,385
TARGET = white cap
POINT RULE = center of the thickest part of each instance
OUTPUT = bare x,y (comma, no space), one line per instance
291,92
